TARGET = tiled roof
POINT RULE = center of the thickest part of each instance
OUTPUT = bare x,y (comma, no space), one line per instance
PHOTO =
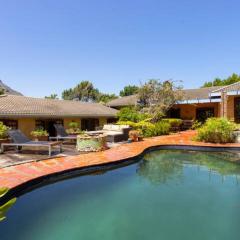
16,106
229,88
188,94
199,93
124,101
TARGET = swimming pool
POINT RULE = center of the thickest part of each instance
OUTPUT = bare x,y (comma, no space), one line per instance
167,194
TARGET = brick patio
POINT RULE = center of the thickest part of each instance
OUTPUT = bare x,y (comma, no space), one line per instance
17,175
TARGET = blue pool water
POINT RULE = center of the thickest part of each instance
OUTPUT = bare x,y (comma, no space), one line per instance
165,195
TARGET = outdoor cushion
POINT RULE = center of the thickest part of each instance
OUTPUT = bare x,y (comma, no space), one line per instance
111,127
113,133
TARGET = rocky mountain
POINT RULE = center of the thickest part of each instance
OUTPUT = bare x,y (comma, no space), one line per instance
8,90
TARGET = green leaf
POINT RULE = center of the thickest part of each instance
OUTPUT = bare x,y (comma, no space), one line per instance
2,218
4,208
3,191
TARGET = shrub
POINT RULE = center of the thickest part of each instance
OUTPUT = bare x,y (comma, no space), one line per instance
196,125
131,114
39,132
174,122
3,131
74,128
129,123
149,129
146,128
73,125
157,129
216,130
162,128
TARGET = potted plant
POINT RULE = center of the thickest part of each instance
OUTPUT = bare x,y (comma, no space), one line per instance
3,133
134,135
74,129
40,134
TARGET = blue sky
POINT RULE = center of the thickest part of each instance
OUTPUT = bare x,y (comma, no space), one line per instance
49,45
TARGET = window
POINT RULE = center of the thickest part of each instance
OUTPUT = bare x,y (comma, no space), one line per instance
89,124
174,113
13,124
111,120
40,124
48,124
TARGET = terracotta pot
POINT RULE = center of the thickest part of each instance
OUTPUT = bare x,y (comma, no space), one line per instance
4,141
134,138
41,138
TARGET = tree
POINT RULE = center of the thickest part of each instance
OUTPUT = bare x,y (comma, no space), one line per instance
52,96
68,94
156,97
105,97
129,90
84,92
131,114
2,91
223,82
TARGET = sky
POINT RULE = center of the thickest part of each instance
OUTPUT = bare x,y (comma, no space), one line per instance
47,46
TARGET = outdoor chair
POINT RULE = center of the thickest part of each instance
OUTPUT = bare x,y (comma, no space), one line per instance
114,133
20,140
62,134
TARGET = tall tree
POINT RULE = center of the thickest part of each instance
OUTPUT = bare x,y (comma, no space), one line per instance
156,97
129,90
84,92
52,96
68,94
105,97
223,82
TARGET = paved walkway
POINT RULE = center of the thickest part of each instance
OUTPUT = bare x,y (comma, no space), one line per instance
14,176
28,154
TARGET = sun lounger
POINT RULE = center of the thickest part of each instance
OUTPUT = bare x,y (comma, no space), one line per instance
20,140
61,134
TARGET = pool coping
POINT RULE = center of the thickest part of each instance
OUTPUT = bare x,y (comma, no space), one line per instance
23,186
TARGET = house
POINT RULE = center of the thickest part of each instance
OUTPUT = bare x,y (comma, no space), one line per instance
27,113
198,104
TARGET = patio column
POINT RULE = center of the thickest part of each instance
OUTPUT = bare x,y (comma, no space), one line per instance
224,98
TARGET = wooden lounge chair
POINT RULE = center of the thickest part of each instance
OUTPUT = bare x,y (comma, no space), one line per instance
61,134
20,140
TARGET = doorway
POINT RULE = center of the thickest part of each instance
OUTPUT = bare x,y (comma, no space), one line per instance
203,114
237,110
48,124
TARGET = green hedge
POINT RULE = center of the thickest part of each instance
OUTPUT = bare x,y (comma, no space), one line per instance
157,129
216,130
174,122
148,129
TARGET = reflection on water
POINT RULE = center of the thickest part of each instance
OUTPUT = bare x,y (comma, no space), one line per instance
165,195
162,166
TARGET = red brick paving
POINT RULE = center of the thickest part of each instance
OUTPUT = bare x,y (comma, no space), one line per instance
19,174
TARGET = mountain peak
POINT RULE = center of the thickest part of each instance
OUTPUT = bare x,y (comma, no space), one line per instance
8,90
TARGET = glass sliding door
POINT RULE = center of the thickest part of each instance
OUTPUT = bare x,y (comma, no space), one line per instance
237,110
89,124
